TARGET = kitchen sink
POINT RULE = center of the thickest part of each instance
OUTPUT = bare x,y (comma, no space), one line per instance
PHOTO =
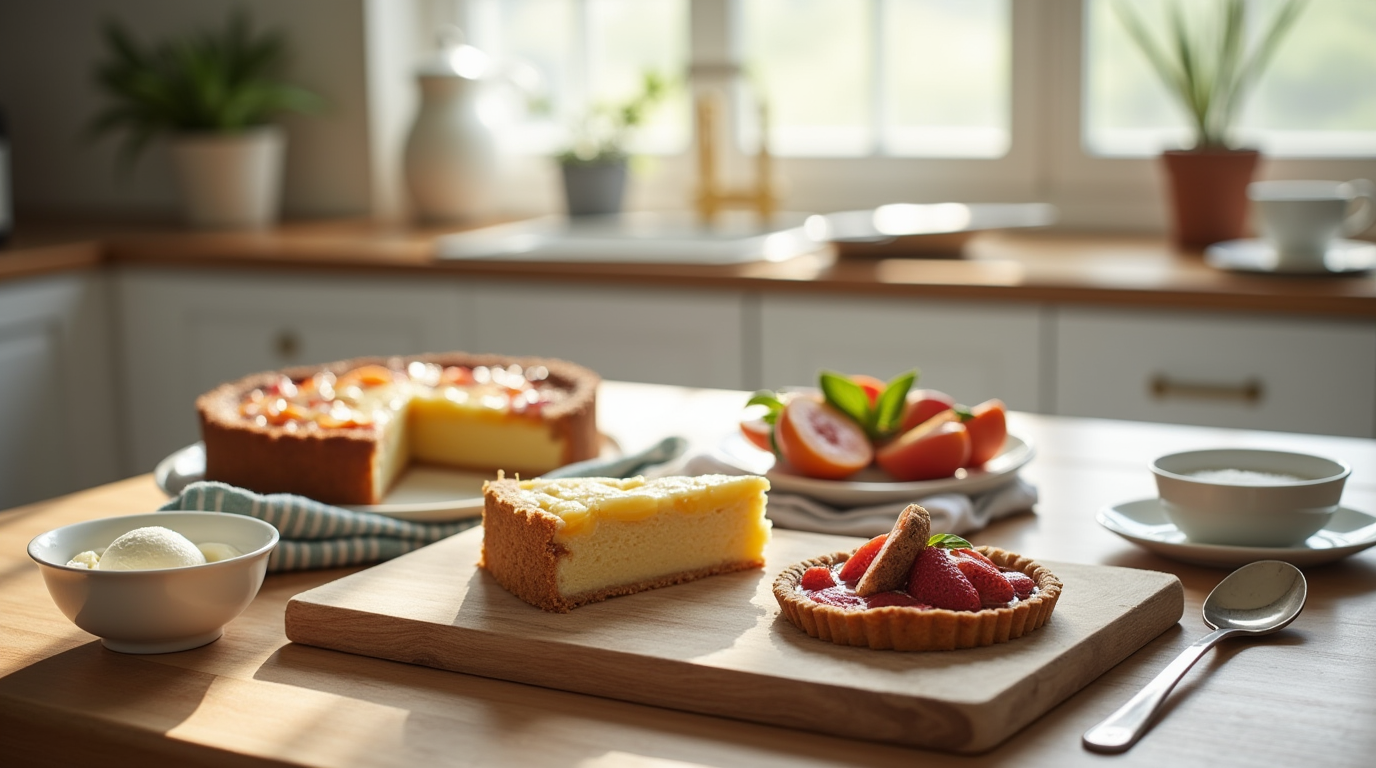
735,237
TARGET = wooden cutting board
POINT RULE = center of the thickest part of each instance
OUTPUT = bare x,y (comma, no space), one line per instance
719,645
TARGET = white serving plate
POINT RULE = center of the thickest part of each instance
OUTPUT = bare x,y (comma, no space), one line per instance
872,485
1144,522
423,494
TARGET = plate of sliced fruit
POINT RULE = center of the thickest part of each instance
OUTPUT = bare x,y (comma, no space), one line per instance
857,441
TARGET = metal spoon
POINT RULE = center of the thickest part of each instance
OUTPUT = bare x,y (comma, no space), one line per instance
1256,599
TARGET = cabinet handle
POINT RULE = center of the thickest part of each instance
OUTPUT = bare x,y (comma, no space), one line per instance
1164,388
287,345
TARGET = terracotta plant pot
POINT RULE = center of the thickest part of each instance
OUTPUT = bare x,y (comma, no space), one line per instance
1208,194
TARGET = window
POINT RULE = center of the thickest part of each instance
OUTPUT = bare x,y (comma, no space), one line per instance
882,101
568,55
914,78
1309,101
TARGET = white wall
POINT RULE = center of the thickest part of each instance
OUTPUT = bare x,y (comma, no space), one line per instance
48,52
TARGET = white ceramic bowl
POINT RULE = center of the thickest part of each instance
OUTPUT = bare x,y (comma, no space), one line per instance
1247,497
158,611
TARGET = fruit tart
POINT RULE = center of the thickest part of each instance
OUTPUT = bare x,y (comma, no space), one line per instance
908,590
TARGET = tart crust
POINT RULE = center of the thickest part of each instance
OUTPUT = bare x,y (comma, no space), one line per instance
335,466
901,628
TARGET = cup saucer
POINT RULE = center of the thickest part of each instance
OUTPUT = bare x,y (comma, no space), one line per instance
1253,255
1144,522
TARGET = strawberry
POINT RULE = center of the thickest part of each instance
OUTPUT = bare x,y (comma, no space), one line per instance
817,578
884,599
967,552
839,597
1022,583
859,562
937,581
994,590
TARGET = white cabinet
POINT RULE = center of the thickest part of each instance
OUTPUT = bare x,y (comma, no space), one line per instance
185,332
57,407
1245,371
973,351
691,338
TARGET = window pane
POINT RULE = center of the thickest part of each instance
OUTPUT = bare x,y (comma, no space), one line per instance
626,39
898,77
1313,100
810,59
573,54
946,66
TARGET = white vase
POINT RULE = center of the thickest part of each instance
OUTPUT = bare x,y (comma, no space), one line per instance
451,154
230,180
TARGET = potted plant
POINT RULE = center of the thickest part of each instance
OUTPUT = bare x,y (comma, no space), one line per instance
215,95
1209,71
594,168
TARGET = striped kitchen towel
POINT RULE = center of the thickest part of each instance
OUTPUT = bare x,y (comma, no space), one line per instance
316,535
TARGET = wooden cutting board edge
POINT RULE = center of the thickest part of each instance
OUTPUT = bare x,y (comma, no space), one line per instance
968,728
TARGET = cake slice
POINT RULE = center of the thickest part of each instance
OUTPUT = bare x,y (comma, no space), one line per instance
559,544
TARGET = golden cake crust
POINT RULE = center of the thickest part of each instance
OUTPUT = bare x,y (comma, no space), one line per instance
336,465
520,551
902,628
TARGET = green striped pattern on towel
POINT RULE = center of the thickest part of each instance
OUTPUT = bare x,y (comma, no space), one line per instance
316,535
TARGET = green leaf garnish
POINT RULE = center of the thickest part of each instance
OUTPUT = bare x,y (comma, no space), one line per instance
769,400
948,541
846,396
888,409
963,413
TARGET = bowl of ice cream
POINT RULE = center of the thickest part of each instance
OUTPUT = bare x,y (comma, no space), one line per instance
155,583
1249,497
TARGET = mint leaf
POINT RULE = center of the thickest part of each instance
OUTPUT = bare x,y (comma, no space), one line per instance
963,413
948,541
847,397
888,409
770,400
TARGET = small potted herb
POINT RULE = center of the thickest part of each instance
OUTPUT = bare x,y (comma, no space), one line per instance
1209,70
594,167
215,94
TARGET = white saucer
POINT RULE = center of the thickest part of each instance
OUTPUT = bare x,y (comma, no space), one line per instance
1144,523
1344,256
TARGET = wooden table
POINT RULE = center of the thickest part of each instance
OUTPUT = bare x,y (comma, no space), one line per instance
1306,695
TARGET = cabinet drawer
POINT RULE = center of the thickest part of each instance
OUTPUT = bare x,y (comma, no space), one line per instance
972,351
1249,372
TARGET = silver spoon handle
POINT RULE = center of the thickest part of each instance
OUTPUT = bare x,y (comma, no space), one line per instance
1123,728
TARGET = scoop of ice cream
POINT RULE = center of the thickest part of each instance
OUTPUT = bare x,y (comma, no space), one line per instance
87,559
146,549
216,551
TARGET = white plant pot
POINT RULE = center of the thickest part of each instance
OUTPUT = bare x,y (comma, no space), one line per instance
230,179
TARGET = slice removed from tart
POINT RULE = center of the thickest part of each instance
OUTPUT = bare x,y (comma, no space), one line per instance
559,544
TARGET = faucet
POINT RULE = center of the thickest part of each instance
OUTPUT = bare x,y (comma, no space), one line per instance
712,196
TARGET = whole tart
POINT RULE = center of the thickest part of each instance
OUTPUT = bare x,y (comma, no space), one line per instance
881,600
902,628
343,432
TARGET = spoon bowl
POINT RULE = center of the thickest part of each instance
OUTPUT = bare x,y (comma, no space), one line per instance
1257,599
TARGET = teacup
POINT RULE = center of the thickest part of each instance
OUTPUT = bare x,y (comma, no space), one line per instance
1247,497
1302,218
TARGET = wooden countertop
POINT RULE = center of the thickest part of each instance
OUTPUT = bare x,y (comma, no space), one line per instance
253,698
1029,266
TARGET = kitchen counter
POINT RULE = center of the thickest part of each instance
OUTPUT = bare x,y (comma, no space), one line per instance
1047,267
253,698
